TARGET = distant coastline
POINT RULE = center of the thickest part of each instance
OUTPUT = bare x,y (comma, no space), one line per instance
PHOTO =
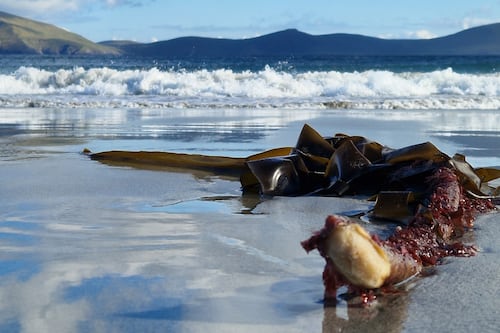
24,36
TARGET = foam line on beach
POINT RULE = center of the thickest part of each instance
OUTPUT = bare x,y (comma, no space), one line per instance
225,88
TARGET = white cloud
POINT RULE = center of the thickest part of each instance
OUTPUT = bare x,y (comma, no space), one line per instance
38,6
47,7
470,22
418,34
422,34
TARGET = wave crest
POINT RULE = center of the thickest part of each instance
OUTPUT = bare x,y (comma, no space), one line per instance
267,87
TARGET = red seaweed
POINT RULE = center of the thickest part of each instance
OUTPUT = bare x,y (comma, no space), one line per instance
435,198
431,235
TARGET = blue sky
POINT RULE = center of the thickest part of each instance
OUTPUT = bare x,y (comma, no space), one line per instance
152,20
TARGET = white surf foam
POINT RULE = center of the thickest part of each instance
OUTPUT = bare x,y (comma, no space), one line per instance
106,87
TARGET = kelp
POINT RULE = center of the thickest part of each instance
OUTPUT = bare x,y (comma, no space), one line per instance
368,264
433,197
219,165
328,166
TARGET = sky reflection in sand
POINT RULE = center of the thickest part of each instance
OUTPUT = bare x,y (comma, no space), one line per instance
88,247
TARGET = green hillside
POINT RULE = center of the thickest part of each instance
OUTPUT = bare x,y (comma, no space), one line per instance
20,35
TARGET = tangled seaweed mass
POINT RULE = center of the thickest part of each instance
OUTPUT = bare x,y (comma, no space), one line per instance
433,197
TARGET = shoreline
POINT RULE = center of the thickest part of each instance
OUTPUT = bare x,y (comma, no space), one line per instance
100,248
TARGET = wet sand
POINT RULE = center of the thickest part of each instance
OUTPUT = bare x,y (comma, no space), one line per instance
86,247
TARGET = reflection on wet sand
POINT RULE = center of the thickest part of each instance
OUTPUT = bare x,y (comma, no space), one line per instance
82,272
473,143
387,315
104,258
89,248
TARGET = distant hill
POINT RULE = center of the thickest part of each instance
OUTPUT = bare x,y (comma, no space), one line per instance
483,40
20,35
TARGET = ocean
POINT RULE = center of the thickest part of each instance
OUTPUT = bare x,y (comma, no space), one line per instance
423,82
91,247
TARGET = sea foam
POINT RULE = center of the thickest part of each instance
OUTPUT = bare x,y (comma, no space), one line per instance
106,87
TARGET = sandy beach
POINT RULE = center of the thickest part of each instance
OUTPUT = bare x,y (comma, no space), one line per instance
87,247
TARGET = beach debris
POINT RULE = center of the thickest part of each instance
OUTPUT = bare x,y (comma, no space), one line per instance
332,166
433,232
434,199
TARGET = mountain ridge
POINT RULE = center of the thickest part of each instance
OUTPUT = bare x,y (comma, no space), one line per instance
19,35
483,40
24,36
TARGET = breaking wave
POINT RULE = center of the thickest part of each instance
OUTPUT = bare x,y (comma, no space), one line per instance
225,88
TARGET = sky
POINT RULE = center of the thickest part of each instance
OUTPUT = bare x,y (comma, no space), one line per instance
154,20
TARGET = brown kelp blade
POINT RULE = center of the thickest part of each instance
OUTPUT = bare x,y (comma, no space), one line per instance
370,149
275,152
286,175
395,206
475,181
249,182
420,152
217,165
311,142
487,174
346,163
339,165
469,178
277,176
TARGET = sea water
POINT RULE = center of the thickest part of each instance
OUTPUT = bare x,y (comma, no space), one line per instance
86,247
425,82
